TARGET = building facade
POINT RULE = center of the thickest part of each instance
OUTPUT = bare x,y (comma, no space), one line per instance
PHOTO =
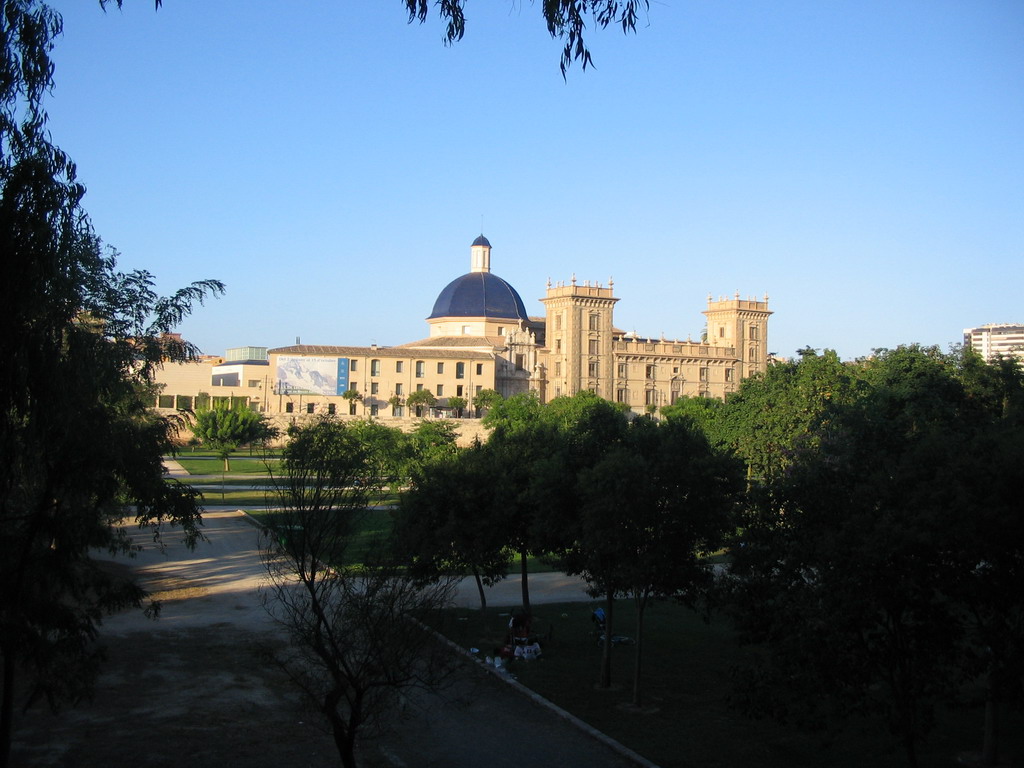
994,339
480,336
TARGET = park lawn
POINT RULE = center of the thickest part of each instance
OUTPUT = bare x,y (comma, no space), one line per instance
370,528
246,499
239,464
235,482
687,721
242,453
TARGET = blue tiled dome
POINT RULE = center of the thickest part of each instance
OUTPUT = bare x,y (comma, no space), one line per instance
479,294
482,241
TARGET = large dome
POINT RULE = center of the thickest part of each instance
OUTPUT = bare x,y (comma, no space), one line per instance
479,294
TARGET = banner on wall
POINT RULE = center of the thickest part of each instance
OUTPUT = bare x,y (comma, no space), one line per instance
312,375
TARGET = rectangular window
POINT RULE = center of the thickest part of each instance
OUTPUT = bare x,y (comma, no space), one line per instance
594,347
458,391
753,332
595,322
309,407
479,387
501,330
703,374
592,370
558,345
650,372
165,401
398,388
399,366
730,373
373,409
332,409
353,365
375,367
675,396
440,390
183,402
620,395
460,370
397,411
651,397
558,321
623,370
558,367
419,387
520,362
479,369
420,366
289,407
440,367
373,387
254,383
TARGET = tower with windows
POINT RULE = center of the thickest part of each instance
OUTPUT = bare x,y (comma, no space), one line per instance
743,325
579,338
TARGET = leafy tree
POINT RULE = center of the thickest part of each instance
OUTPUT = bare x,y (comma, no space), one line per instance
705,413
774,414
650,507
429,442
445,525
486,399
79,447
387,447
396,402
873,568
519,487
995,537
566,21
421,398
457,404
353,396
540,449
224,429
357,633
516,412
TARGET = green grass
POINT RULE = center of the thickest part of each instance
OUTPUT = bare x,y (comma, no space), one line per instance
257,481
687,683
246,499
370,527
242,453
240,464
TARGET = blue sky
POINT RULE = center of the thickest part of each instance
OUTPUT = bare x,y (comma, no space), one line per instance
862,163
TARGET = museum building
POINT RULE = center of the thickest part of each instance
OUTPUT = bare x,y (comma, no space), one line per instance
481,337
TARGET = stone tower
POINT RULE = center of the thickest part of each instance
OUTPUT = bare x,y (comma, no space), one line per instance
743,325
579,339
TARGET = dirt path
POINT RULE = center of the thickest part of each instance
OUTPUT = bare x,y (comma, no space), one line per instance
194,687
197,688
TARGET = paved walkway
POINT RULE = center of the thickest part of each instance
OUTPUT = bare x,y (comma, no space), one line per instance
485,721
544,587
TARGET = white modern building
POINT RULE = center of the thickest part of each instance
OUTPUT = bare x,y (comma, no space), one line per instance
994,339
